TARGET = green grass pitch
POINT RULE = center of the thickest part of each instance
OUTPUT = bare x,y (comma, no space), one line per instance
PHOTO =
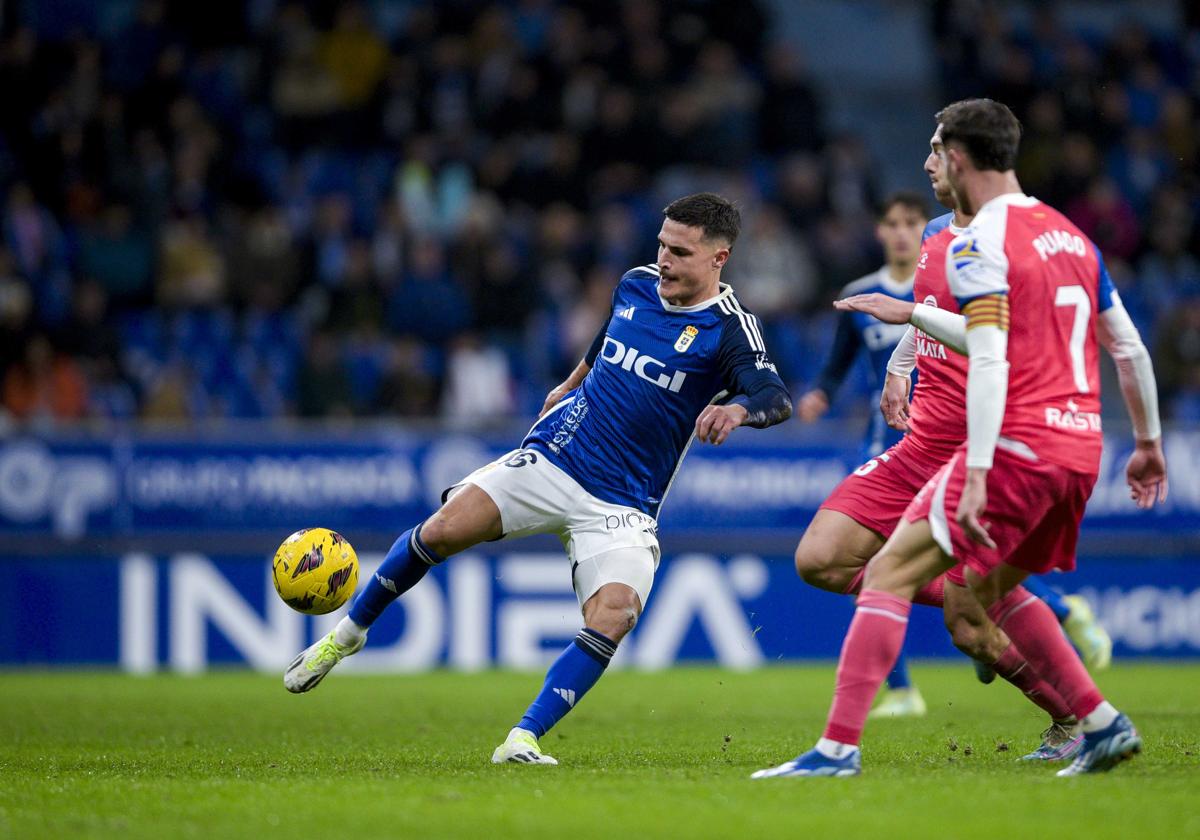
645,755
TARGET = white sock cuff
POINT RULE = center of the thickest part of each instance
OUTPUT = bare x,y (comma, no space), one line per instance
348,633
834,749
1100,717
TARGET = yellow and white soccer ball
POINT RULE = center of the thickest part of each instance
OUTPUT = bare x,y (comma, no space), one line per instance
315,571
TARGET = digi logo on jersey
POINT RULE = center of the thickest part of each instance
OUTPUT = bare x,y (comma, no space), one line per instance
630,358
630,519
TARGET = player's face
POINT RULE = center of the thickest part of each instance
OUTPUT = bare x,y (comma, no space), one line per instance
935,168
688,265
899,232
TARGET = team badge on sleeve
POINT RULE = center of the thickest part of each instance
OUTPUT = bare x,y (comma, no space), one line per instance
686,338
964,251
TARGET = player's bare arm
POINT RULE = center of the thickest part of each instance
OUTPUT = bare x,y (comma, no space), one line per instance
765,403
813,405
893,399
565,387
947,327
886,308
716,422
893,402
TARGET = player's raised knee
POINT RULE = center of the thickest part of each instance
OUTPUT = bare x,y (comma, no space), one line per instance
469,517
613,610
816,564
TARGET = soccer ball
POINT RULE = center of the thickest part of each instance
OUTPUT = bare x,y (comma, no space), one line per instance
315,571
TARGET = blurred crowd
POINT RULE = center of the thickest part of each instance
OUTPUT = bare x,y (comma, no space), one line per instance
280,209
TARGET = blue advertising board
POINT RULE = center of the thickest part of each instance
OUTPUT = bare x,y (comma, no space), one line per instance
151,552
511,608
377,483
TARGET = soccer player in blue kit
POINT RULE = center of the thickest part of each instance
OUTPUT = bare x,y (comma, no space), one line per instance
678,358
899,227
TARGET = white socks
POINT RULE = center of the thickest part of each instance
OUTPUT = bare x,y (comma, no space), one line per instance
1100,718
347,633
834,749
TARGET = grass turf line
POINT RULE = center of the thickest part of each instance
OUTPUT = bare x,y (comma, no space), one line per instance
660,755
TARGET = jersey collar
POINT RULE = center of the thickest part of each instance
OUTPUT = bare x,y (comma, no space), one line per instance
726,291
1009,200
896,287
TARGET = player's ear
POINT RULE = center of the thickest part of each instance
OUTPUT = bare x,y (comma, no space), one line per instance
720,258
956,157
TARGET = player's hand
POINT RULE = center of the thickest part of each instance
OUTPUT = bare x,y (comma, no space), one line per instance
1146,473
893,402
716,422
884,307
812,405
971,506
553,399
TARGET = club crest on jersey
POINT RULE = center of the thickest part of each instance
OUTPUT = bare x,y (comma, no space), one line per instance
686,338
965,250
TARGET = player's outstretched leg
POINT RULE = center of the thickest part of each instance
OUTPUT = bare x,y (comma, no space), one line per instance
1079,622
403,567
468,518
608,615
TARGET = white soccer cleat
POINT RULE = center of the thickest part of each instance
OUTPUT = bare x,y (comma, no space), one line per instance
900,703
521,747
311,666
1085,632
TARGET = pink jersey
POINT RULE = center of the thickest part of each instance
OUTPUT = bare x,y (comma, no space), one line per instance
938,415
1051,273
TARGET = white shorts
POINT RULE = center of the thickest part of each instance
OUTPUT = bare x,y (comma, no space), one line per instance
605,542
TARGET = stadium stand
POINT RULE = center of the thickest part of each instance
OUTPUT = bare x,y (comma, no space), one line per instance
267,210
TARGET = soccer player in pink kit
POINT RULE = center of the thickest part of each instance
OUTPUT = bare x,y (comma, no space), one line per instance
1031,289
864,510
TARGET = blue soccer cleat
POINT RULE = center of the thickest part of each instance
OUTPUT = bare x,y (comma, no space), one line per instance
813,763
1059,743
1104,750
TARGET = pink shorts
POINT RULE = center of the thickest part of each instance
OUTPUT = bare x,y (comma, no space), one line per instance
1033,512
876,494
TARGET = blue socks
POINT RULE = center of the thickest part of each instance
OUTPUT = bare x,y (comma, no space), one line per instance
568,679
1044,592
406,563
898,676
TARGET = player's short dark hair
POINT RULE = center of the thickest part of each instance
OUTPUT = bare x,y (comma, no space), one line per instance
987,129
718,217
905,198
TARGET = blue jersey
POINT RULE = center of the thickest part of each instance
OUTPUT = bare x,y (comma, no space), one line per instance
623,432
937,226
858,332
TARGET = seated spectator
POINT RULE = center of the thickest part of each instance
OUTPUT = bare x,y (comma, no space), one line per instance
119,256
323,387
45,385
193,270
409,385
